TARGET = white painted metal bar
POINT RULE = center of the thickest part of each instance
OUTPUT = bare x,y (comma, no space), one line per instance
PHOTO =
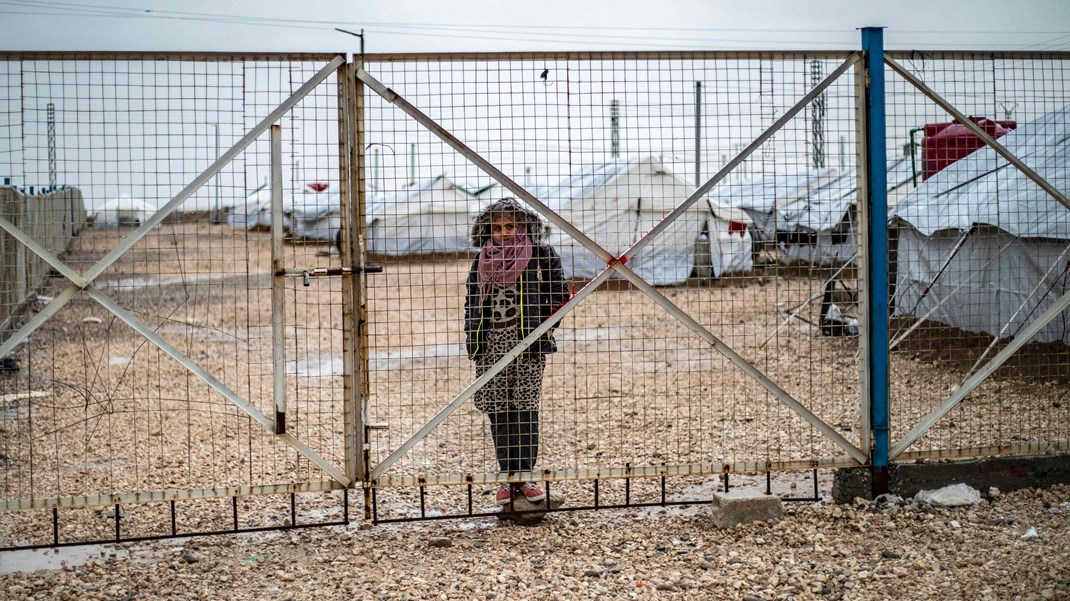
351,185
126,243
980,133
106,302
742,363
865,430
16,233
742,156
489,374
163,496
278,285
503,179
35,322
976,379
140,327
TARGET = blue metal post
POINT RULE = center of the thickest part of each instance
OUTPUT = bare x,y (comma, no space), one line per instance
877,252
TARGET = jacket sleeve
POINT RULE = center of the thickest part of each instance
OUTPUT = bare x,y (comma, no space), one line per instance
472,312
557,288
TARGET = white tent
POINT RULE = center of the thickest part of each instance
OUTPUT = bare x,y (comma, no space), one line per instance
316,215
122,211
616,203
983,248
432,217
254,212
811,215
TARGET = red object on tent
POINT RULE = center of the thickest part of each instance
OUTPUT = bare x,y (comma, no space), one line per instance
945,143
737,227
318,186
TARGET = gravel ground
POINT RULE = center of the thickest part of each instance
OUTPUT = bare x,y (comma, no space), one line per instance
865,550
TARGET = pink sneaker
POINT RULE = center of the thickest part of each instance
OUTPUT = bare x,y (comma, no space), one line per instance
532,492
505,494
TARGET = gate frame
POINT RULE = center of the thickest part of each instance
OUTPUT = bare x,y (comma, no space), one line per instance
977,378
618,265
83,282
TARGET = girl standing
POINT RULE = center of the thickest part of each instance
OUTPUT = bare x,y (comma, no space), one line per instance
516,282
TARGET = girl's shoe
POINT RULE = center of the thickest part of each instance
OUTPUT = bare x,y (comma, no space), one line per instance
532,492
505,494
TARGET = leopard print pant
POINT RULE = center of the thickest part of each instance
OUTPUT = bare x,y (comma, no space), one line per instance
518,387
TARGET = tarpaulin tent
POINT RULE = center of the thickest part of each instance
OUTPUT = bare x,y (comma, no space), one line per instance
982,247
812,215
315,215
616,203
433,216
122,211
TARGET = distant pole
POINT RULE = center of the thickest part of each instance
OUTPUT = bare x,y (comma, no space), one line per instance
217,217
375,170
817,117
412,164
614,128
698,133
843,154
51,145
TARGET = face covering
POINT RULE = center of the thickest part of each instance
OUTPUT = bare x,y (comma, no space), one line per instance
500,264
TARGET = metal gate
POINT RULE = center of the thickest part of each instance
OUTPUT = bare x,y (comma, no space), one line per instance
183,355
663,378
260,305
981,254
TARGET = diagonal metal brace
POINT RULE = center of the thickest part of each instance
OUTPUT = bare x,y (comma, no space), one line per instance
134,237
268,424
613,264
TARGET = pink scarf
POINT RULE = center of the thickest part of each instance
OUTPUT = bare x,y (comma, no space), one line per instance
500,264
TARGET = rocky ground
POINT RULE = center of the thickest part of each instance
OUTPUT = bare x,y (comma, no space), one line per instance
1009,546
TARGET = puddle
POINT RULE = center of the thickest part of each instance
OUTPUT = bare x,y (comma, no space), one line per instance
119,360
394,359
56,559
320,366
140,282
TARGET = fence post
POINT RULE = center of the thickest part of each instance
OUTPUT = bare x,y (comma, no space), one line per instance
876,198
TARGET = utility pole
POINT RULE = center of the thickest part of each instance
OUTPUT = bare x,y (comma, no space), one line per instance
817,117
375,170
412,164
698,133
51,145
614,128
217,217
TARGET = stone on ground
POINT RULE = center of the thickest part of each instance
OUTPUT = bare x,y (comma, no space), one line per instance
742,506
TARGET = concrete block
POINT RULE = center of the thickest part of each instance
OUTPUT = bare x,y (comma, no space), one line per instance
526,513
742,506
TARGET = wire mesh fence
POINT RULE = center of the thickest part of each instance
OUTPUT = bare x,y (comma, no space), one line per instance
693,300
983,252
765,262
99,407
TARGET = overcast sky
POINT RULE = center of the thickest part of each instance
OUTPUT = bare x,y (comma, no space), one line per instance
470,25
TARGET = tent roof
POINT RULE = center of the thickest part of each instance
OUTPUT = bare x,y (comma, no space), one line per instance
125,203
985,188
591,180
811,200
450,198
